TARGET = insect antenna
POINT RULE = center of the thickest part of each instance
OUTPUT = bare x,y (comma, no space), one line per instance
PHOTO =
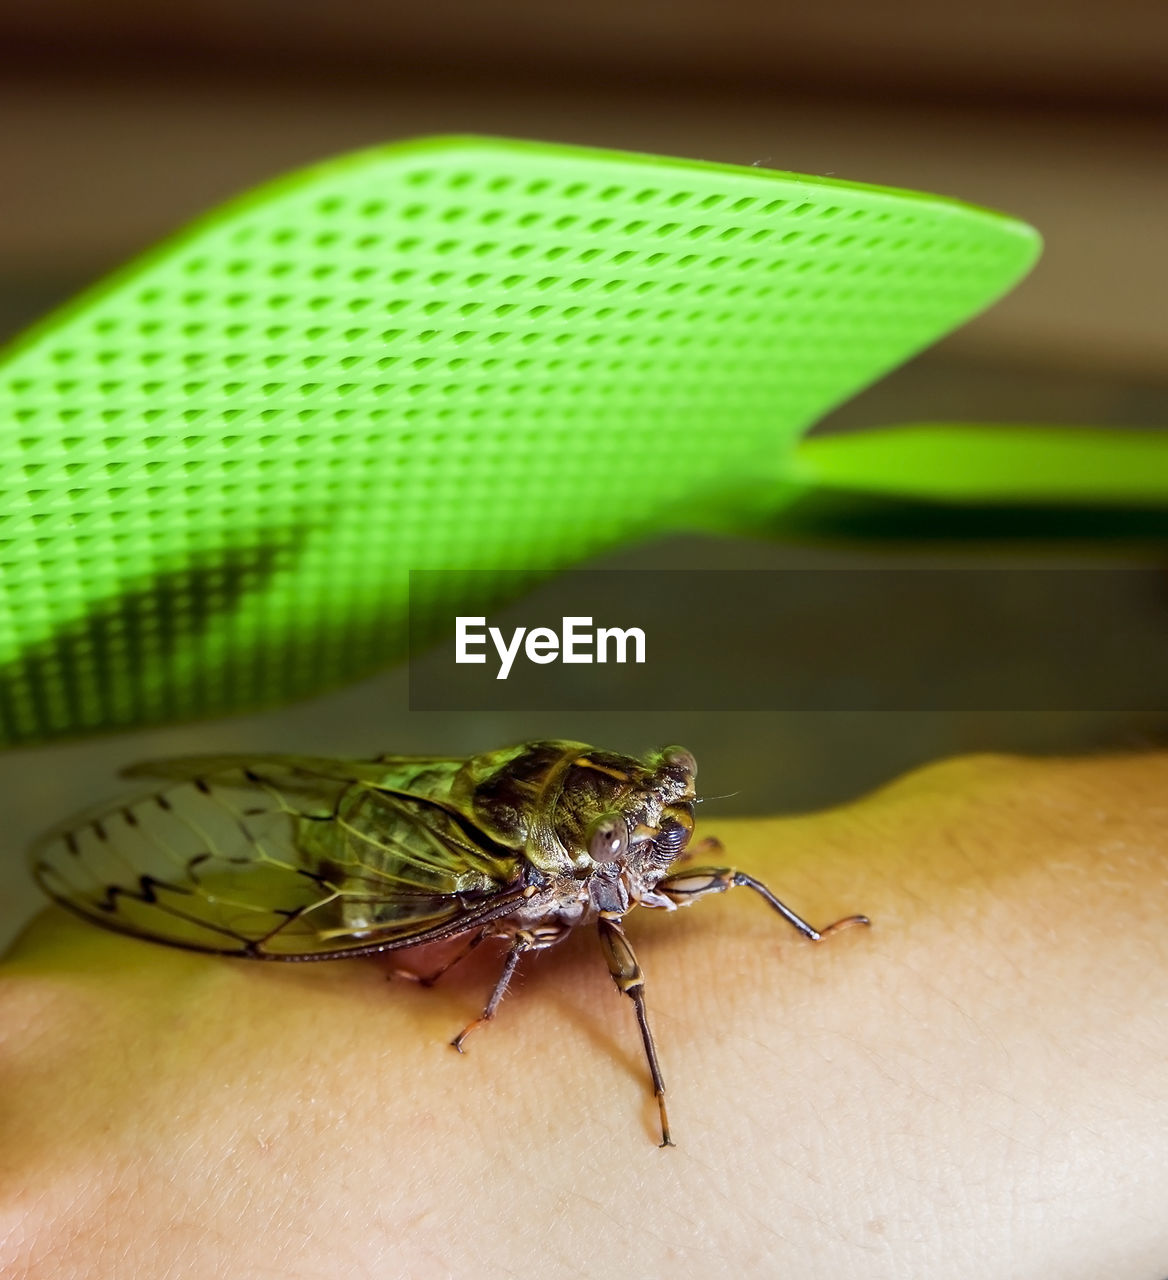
728,796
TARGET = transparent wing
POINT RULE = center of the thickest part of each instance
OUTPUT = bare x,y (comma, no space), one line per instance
282,858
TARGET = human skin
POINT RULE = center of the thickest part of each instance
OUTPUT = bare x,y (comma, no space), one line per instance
977,1086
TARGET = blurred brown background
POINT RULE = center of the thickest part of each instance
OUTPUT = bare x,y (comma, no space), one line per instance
119,123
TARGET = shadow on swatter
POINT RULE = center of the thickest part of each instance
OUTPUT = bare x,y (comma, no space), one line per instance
96,670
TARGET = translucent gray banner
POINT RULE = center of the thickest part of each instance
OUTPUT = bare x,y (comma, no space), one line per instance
960,640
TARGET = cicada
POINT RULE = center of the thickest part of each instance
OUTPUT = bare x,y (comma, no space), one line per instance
297,858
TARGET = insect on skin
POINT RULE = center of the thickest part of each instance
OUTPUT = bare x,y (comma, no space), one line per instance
297,858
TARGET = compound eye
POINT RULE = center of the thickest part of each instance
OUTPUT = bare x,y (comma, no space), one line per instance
608,838
681,759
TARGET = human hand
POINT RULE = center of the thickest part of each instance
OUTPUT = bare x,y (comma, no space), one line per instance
974,1087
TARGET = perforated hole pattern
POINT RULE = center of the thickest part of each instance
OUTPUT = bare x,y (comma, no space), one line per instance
217,470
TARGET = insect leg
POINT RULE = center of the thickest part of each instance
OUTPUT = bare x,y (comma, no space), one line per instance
429,979
626,973
687,886
518,947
